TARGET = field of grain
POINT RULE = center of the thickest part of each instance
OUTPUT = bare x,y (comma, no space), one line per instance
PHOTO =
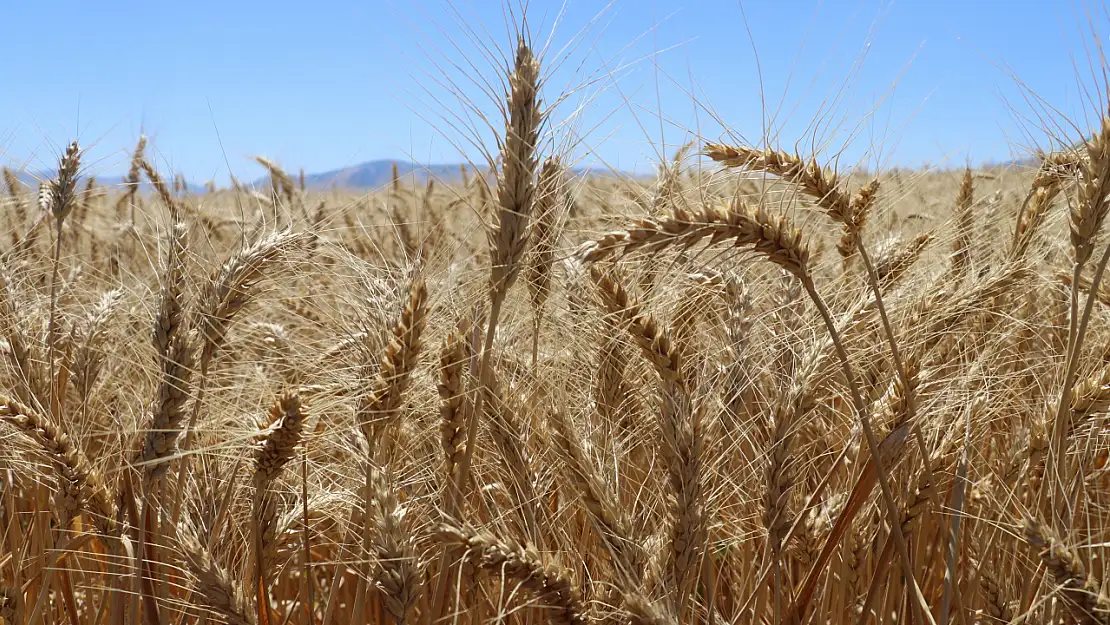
746,391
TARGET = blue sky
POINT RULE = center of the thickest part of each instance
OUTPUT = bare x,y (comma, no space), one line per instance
331,83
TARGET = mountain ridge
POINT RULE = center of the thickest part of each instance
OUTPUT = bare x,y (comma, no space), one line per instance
361,176
378,173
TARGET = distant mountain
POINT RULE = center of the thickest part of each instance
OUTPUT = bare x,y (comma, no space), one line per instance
31,182
368,175
375,174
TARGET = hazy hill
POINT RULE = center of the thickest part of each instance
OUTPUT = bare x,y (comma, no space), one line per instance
372,174
31,181
368,175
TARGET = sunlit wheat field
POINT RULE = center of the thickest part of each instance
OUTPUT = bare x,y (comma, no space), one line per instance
754,387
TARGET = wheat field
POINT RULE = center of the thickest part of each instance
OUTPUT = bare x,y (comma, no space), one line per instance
746,391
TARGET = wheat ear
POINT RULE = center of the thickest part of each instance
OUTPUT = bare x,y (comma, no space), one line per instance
551,585
236,284
57,198
398,574
610,519
961,244
818,183
233,287
515,196
508,240
1082,595
90,355
515,185
275,450
775,238
133,176
680,422
15,192
81,488
453,356
212,586
861,204
380,406
891,268
174,355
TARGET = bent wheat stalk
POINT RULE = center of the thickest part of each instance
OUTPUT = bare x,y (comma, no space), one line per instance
233,287
779,242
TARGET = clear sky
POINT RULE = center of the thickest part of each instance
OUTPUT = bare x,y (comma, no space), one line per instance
330,83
